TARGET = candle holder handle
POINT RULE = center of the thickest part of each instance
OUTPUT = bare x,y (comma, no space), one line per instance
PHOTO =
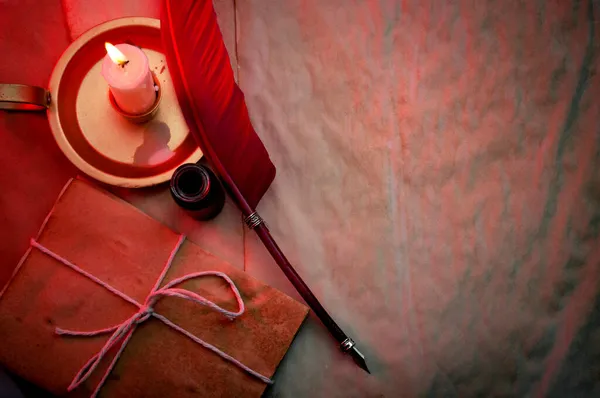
21,97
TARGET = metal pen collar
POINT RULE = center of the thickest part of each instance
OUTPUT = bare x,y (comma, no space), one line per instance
347,344
253,220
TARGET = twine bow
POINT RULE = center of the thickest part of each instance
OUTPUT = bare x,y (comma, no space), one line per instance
122,332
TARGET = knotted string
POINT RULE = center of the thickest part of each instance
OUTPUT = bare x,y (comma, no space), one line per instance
123,331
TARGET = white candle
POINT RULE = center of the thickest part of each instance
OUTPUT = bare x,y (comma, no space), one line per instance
126,70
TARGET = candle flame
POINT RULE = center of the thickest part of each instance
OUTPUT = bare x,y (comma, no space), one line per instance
117,56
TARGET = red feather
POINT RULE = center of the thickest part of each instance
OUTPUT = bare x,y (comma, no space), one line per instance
212,103
214,108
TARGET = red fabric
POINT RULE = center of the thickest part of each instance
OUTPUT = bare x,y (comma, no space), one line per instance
32,168
211,101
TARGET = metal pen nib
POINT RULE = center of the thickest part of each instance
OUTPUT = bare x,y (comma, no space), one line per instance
359,358
349,346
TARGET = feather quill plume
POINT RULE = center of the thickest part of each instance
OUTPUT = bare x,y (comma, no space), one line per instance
212,103
216,114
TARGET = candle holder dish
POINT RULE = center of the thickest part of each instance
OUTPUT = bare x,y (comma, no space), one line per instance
94,134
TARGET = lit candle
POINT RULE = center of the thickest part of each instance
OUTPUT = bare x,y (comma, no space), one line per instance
126,70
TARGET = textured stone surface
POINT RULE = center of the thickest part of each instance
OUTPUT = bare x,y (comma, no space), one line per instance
437,187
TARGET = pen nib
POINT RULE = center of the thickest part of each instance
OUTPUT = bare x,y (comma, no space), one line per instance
359,358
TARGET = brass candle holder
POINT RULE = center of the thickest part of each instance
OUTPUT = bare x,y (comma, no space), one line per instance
104,142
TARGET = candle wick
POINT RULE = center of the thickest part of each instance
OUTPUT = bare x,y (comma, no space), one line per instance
122,64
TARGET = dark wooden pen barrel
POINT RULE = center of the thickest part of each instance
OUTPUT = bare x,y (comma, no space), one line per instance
196,188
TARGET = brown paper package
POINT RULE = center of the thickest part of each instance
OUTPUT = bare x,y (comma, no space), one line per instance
127,249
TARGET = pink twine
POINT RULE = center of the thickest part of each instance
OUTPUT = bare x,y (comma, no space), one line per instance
123,331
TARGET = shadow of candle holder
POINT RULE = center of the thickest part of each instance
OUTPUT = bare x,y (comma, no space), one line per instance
155,147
